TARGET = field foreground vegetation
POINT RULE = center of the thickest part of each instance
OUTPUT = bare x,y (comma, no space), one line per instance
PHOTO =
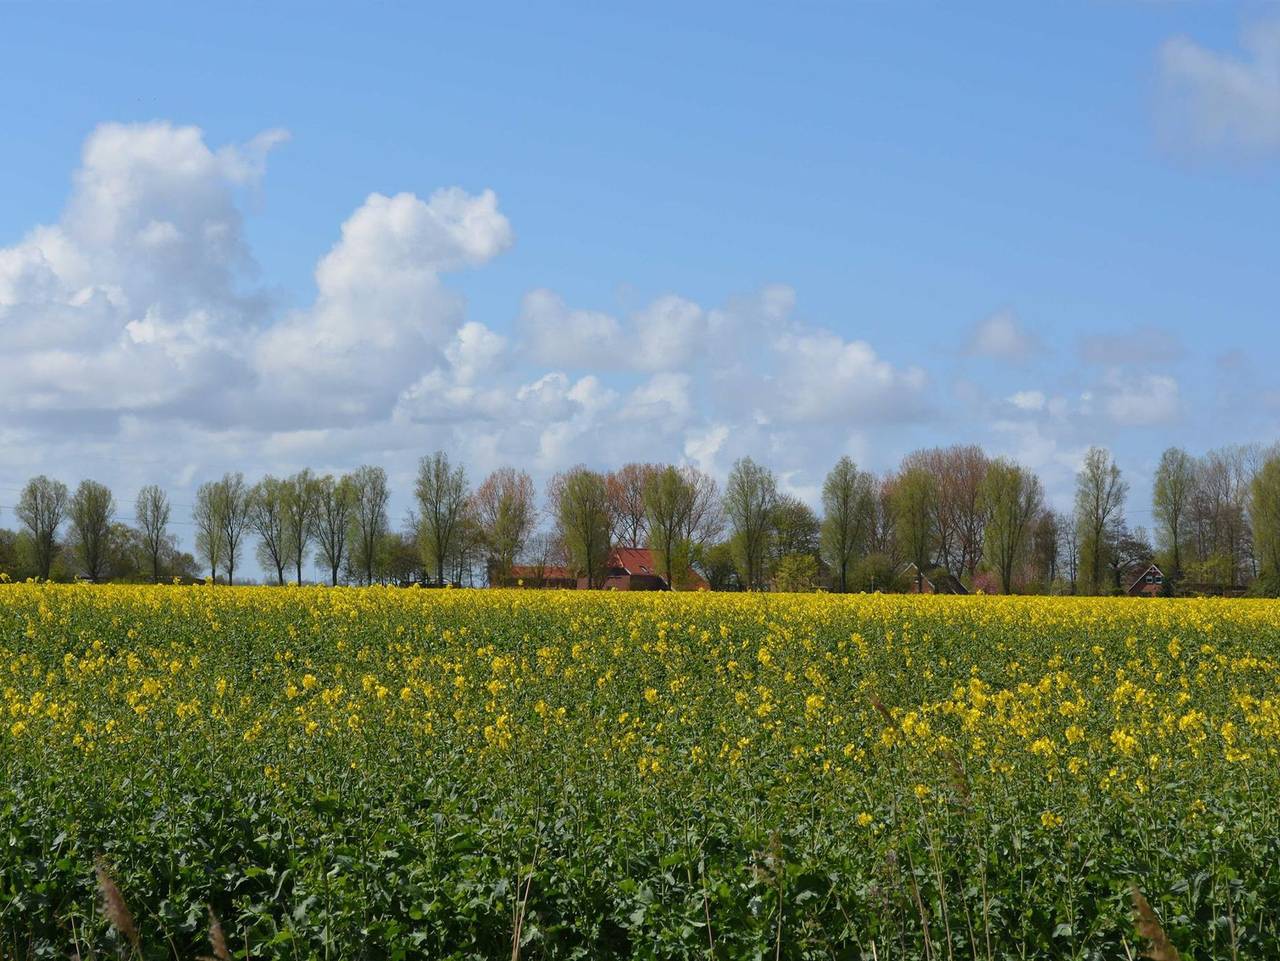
381,773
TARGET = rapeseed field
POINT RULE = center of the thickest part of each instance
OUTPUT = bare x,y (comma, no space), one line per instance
382,773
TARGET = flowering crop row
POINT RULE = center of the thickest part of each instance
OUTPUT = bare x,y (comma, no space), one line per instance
384,773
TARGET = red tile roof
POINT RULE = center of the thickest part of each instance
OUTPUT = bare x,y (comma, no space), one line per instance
633,560
639,560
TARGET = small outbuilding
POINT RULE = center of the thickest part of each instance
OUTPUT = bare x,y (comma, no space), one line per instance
939,582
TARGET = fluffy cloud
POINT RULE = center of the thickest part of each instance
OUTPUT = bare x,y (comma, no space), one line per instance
1219,100
1028,400
381,313
667,334
1002,336
824,378
131,300
560,336
1141,401
664,398
137,319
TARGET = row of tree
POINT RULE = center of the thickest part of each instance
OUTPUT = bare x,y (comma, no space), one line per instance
955,511
97,545
1217,516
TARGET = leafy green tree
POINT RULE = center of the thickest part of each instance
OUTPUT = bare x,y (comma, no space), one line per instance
718,566
126,556
10,554
750,497
796,573
914,501
584,514
92,511
1264,510
1172,496
848,507
1013,498
874,572
505,512
1047,548
796,531
668,501
400,558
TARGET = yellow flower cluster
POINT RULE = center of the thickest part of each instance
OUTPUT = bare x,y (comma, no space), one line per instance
1064,701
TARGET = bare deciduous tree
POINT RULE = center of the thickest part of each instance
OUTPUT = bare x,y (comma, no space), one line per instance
206,516
42,507
371,494
958,507
233,516
627,493
301,500
442,498
151,513
335,504
92,510
1100,494
267,517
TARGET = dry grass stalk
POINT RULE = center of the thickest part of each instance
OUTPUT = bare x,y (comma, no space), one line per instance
217,940
1149,927
887,714
113,906
959,777
523,905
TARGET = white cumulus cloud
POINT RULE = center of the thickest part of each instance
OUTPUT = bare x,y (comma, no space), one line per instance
1002,336
1142,401
1219,100
381,313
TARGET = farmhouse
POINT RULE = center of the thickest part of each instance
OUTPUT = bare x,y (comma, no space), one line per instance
1149,582
633,569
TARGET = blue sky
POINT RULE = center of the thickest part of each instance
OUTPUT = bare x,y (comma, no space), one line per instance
855,228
